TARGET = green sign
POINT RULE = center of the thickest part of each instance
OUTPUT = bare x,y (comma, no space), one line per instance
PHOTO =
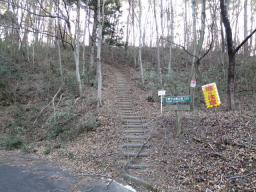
178,99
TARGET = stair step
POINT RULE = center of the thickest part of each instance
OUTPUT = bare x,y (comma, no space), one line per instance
132,117
123,99
132,154
125,108
122,93
135,131
137,166
134,179
127,101
130,137
130,121
134,145
127,112
135,126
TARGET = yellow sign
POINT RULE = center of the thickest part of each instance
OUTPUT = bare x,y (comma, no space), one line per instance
211,95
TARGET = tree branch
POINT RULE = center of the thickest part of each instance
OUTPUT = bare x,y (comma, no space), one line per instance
184,49
32,30
244,41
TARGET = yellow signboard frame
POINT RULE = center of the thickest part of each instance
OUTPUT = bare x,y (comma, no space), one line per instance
211,95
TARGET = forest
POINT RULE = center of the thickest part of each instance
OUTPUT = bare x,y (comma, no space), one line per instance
68,68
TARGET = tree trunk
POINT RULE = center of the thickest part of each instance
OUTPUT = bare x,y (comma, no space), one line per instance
193,74
77,49
158,48
231,56
84,36
222,55
58,45
252,24
236,36
127,30
50,20
170,31
133,31
231,81
245,27
140,45
186,24
99,39
201,38
162,23
92,41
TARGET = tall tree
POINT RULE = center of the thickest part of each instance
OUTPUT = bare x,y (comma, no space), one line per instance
186,24
127,29
50,22
158,47
133,32
245,27
193,74
77,48
197,45
170,33
93,36
231,55
87,17
99,41
58,41
140,44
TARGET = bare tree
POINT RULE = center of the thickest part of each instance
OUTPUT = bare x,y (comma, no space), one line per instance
93,40
58,43
158,48
170,33
77,48
140,44
84,35
197,45
245,27
133,32
99,41
231,55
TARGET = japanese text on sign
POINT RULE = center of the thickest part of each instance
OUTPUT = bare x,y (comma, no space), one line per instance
211,95
178,99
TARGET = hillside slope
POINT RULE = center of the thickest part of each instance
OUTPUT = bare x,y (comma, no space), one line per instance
201,158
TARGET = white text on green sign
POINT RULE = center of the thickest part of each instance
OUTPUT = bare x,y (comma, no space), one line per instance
178,99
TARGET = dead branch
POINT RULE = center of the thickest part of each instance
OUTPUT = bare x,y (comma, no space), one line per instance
47,105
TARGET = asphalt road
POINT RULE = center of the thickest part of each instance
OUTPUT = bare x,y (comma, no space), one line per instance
16,179
17,175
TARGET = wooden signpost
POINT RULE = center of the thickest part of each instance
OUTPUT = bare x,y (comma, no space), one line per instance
178,104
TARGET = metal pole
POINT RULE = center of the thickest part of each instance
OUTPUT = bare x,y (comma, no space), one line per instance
161,104
220,130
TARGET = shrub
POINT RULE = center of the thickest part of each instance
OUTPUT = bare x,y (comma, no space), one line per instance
55,122
11,143
28,149
87,124
47,151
